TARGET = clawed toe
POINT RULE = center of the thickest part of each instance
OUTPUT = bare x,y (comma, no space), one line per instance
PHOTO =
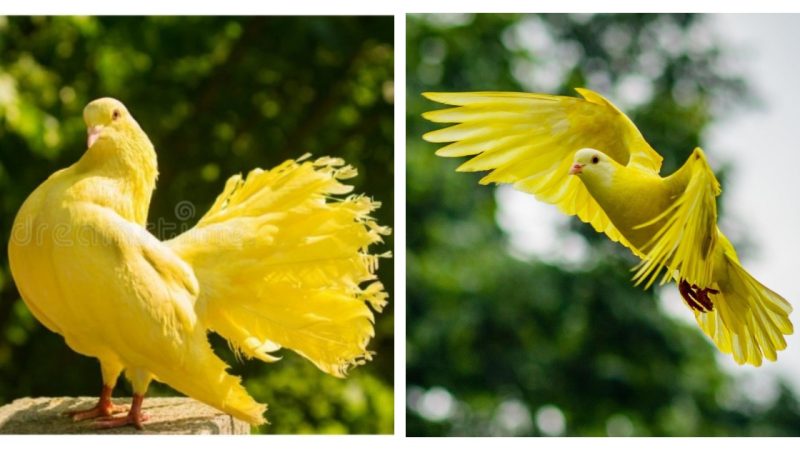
97,411
135,420
103,408
134,417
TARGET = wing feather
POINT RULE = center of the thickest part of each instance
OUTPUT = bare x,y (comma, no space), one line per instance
529,140
685,242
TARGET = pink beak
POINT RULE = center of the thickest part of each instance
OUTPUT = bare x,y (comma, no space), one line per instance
576,169
92,134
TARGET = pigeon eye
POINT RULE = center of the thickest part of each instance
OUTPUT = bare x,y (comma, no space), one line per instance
115,115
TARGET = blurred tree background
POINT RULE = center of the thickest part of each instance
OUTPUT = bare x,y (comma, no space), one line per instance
217,96
503,344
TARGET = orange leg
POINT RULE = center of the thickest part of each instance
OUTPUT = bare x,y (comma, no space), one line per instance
135,417
104,407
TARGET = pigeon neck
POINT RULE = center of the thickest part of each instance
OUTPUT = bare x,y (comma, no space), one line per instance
131,161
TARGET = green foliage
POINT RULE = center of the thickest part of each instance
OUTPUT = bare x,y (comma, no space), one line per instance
217,96
511,345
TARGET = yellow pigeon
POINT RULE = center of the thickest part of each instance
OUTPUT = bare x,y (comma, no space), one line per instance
587,158
278,261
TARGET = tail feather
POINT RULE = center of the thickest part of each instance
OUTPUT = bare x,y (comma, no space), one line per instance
203,376
749,320
283,262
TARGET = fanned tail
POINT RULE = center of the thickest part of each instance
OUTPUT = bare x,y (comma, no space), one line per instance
748,320
282,262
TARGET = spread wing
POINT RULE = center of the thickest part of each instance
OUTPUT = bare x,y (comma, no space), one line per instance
686,240
529,140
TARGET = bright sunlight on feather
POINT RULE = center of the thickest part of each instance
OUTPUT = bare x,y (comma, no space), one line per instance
586,157
280,260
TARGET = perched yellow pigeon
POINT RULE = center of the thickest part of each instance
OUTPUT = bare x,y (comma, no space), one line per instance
538,142
277,261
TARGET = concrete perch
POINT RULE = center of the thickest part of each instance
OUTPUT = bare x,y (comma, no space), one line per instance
168,415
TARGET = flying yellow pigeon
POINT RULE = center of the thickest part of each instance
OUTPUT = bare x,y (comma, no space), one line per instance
538,142
280,260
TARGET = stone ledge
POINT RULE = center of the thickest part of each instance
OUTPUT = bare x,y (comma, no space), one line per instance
168,415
